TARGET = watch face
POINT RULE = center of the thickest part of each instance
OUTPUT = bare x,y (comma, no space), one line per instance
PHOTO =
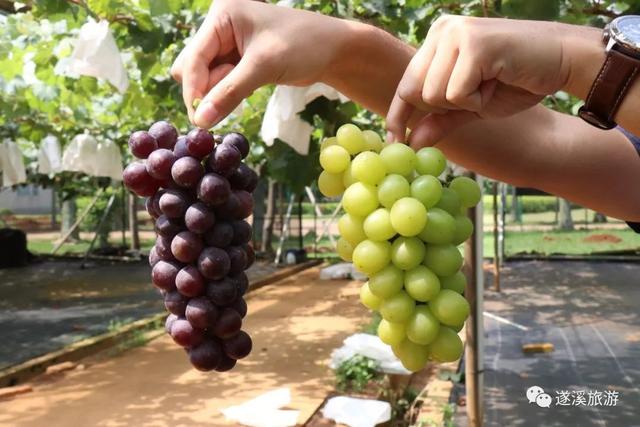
626,30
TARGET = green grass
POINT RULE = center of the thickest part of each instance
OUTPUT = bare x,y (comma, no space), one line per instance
37,246
564,242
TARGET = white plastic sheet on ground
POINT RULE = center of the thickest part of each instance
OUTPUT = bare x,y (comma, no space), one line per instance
281,118
49,156
342,270
264,410
96,54
357,412
11,164
372,347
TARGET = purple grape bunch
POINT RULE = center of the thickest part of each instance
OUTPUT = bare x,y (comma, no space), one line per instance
199,192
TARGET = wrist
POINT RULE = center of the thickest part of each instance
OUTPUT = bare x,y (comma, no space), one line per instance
585,54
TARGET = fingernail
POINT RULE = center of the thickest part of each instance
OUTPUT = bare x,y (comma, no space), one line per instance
389,137
206,115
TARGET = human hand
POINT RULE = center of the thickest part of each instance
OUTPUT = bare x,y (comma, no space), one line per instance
243,45
471,68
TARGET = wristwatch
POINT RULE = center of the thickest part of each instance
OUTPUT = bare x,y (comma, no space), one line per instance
620,69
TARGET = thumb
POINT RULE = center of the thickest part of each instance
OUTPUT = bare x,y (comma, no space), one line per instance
227,94
434,127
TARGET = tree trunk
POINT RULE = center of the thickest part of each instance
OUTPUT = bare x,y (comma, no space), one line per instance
133,222
69,214
516,211
267,226
565,222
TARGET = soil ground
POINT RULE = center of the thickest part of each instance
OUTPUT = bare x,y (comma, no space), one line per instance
295,324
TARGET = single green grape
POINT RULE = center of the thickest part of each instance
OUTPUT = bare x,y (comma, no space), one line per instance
408,216
422,327
430,161
347,177
440,228
447,347
328,142
464,229
373,142
467,189
413,356
398,158
450,307
334,159
344,249
407,252
449,201
457,282
421,283
368,299
369,257
377,225
330,184
368,167
444,260
360,199
351,228
397,308
427,189
393,188
386,282
391,333
350,137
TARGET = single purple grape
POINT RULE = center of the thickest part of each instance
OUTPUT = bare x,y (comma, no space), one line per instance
201,312
228,324
226,364
154,258
180,149
237,258
137,179
242,232
213,263
224,159
199,143
163,275
220,235
242,177
187,171
239,141
240,305
174,203
163,248
185,335
186,246
213,189
175,303
168,227
208,356
238,346
164,133
190,282
241,281
251,255
222,292
167,323
159,164
141,144
253,183
199,218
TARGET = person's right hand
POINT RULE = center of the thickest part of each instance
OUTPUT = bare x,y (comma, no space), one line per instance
243,45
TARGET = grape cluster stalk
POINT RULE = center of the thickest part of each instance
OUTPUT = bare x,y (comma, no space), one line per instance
401,228
199,192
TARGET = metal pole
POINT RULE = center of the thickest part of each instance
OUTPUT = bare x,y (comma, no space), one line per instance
474,328
496,240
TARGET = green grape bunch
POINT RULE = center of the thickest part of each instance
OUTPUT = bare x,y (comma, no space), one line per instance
401,228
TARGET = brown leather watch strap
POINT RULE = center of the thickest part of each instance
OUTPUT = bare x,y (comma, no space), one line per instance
614,79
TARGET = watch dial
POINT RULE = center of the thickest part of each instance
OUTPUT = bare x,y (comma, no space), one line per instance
628,28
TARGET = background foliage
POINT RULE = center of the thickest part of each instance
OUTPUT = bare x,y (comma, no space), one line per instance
36,40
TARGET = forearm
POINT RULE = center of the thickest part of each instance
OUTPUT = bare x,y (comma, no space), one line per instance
585,54
368,65
556,153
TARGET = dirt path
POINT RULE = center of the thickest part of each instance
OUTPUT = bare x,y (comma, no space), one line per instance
295,325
